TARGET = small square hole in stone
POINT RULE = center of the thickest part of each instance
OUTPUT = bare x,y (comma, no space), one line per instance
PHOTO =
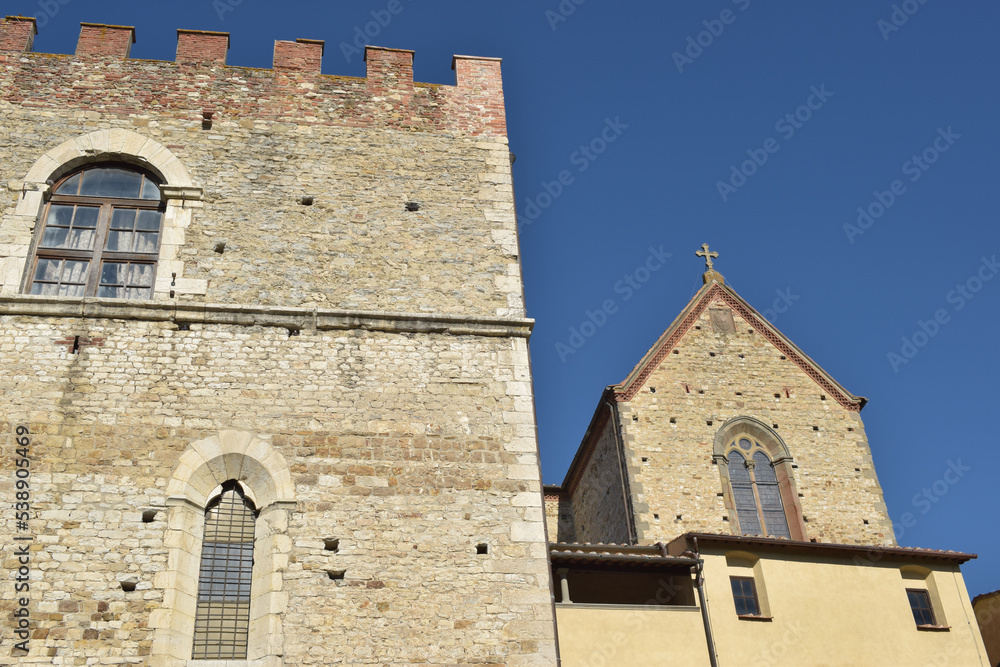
815,428
711,354
708,421
783,357
656,516
673,420
336,575
679,517
777,395
148,516
822,397
635,418
331,544
652,390
739,393
865,521
701,391
676,352
482,548
645,459
128,586
774,426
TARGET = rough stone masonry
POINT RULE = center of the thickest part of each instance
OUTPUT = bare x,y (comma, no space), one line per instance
337,322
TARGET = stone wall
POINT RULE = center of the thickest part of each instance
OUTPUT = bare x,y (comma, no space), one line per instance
388,447
361,148
673,420
598,497
345,337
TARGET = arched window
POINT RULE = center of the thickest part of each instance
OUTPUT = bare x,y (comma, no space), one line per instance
222,617
99,235
756,493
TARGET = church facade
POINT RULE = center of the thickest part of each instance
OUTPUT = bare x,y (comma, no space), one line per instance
267,401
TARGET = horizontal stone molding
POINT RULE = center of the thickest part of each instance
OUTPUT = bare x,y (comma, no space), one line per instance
293,319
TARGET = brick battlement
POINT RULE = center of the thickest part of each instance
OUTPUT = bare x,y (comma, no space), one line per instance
293,91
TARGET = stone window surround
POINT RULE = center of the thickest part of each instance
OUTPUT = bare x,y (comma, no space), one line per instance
203,467
110,145
777,450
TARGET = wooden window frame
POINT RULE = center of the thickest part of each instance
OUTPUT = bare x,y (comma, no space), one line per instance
756,600
926,596
98,255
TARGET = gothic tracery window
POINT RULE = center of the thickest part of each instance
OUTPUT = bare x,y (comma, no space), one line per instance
99,235
756,493
222,619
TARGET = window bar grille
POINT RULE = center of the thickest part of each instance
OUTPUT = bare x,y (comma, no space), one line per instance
222,619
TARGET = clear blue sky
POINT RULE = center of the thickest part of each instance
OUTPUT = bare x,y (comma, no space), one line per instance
887,93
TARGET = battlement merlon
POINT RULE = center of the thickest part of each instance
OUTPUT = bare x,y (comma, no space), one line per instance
386,96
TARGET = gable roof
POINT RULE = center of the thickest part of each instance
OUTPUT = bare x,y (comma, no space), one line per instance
626,389
715,291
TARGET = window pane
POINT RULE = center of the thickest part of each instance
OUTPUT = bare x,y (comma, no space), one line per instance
149,190
119,241
113,273
123,218
763,470
75,271
145,242
71,290
141,275
80,239
111,182
69,186
86,216
149,221
737,468
60,214
55,237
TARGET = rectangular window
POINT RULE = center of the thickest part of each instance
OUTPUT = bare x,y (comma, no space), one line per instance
745,596
920,605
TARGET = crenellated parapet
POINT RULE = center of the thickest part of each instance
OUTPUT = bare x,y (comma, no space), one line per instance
294,90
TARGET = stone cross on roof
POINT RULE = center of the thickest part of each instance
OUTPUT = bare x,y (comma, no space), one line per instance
707,255
710,272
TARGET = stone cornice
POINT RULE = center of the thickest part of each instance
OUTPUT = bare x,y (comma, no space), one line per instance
293,319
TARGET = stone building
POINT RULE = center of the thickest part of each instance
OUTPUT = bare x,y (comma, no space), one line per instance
266,401
723,509
265,355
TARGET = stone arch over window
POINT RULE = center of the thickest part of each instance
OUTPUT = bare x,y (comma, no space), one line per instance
117,146
742,445
206,468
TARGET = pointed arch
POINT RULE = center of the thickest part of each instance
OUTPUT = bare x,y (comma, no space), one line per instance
769,492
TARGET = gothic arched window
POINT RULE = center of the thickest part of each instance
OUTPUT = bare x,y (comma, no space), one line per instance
756,492
222,617
99,235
